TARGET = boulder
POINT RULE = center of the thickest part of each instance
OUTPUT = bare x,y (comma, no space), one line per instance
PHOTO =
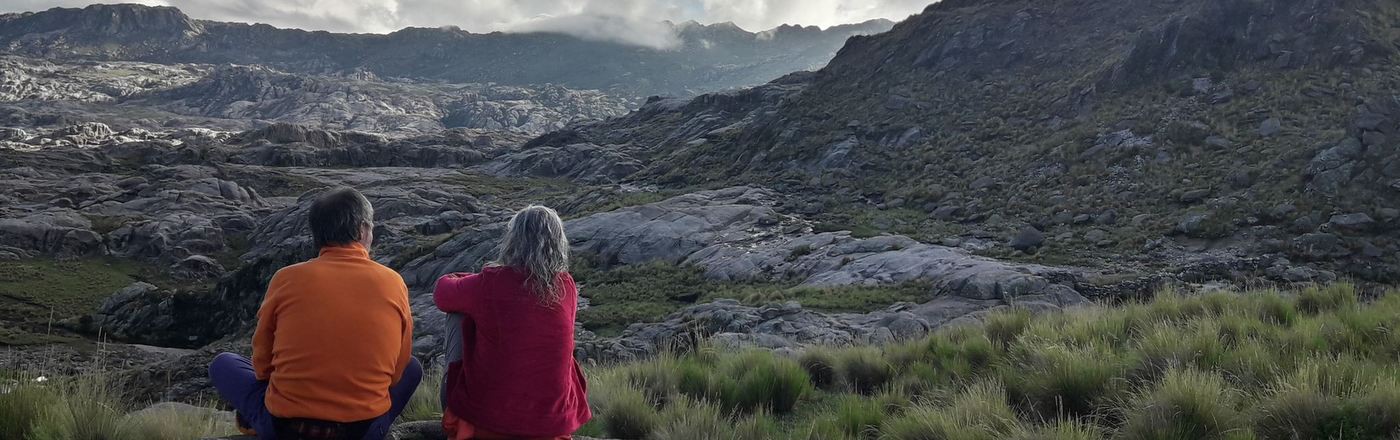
1319,246
1195,195
196,267
1270,127
1353,222
1027,239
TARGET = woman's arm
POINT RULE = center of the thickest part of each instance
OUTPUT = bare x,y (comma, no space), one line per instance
452,291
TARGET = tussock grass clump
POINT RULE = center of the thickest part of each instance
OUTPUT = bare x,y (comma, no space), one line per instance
688,419
1313,363
1060,430
979,412
1004,327
88,408
22,406
820,364
1314,300
627,414
1058,380
764,381
1186,404
863,369
426,403
860,417
175,424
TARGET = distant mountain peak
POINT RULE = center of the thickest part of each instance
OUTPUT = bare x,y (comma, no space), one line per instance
123,21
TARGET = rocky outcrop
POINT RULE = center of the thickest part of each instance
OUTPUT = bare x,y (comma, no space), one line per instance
59,232
789,327
734,234
396,108
145,314
581,162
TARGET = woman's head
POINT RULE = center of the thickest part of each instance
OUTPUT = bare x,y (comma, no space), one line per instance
535,243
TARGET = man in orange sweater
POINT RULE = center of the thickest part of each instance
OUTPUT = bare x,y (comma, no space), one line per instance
331,353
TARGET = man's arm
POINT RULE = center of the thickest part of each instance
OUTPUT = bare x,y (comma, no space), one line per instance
406,346
267,327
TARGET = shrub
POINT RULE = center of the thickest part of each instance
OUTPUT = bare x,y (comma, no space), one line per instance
863,369
1186,404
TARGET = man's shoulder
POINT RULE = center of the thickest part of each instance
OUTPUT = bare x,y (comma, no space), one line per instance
292,270
383,270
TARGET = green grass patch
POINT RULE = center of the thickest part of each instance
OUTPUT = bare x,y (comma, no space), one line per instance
67,287
648,292
1310,363
89,408
36,294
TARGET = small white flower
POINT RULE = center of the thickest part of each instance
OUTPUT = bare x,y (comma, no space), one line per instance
41,379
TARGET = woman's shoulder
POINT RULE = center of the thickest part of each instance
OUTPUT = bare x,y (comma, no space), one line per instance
496,270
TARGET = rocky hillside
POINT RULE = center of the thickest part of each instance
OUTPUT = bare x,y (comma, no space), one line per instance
980,156
158,96
1107,134
707,58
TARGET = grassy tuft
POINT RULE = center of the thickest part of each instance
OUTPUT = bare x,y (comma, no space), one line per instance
1186,404
863,369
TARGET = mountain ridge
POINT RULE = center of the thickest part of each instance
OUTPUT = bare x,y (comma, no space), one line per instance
1154,131
702,62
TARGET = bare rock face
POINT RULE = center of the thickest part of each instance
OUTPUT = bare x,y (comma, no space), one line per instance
145,314
60,232
734,234
582,162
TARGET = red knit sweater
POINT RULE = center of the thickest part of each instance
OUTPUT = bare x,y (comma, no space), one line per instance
517,375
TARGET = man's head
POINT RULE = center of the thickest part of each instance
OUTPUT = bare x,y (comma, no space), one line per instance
342,216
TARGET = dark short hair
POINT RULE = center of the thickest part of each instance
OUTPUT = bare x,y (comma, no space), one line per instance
336,216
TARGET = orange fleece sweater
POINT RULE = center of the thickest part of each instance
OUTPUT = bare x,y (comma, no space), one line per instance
333,334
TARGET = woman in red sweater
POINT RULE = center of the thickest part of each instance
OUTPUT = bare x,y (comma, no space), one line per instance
516,377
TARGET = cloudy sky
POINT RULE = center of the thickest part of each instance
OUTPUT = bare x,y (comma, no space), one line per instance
628,20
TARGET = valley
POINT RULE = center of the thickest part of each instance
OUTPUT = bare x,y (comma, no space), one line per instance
871,185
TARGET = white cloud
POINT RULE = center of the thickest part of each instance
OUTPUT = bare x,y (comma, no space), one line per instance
631,21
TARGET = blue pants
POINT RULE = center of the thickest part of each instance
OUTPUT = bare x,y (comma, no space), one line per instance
233,377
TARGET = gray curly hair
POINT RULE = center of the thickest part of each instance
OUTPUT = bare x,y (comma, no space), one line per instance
535,244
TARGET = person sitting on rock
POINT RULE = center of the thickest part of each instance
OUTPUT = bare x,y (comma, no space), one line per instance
510,340
331,352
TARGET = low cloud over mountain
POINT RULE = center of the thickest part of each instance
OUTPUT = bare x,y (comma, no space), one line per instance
628,21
